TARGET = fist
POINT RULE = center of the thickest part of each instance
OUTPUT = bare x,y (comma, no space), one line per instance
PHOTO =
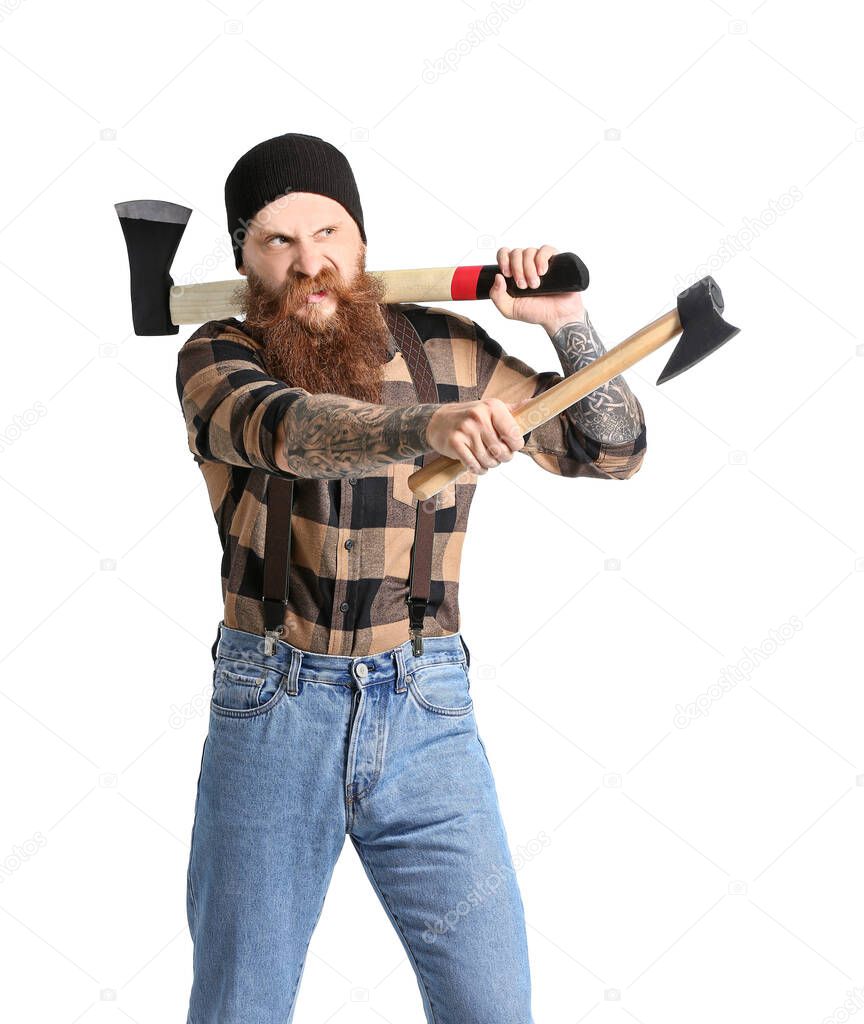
481,435
526,266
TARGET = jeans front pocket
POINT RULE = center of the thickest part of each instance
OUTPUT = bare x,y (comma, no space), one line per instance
442,688
243,688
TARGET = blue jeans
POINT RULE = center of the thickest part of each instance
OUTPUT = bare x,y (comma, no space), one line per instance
303,748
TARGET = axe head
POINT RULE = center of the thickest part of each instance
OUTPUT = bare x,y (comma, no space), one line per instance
153,230
703,328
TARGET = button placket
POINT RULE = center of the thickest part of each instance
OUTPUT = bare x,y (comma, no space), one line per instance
344,573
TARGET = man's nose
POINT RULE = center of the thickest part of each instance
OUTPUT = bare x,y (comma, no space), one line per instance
307,263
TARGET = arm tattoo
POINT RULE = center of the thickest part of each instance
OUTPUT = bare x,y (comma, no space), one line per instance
611,413
329,436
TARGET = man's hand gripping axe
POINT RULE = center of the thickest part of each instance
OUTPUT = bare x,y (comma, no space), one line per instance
697,315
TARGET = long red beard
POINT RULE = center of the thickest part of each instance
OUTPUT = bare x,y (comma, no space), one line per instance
340,352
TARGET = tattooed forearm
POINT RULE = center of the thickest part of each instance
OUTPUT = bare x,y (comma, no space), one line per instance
611,413
328,436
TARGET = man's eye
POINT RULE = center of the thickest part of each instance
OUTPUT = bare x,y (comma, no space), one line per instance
273,238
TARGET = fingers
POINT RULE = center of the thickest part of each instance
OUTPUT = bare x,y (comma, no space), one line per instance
525,266
541,261
486,450
503,258
530,277
466,457
497,449
516,270
494,441
488,439
498,294
505,426
510,263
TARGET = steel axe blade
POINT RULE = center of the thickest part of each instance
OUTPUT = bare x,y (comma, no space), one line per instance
153,230
704,329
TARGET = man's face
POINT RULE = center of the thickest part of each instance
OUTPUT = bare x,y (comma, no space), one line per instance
298,236
297,247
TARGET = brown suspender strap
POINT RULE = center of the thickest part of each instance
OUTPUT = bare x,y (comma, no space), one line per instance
277,557
420,577
280,498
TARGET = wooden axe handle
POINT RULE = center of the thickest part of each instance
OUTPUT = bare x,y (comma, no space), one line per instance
216,300
430,479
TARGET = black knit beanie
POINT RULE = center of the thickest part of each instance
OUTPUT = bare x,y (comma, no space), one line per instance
287,163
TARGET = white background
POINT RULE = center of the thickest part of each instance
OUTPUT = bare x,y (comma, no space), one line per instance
674,867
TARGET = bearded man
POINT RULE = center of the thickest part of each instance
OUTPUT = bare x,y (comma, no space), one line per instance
343,726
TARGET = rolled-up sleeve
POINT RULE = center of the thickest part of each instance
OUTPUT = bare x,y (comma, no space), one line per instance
231,405
559,445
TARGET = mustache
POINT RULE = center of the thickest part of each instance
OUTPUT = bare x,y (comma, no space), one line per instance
294,292
266,306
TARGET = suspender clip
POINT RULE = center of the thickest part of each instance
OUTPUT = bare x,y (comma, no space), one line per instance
270,638
416,614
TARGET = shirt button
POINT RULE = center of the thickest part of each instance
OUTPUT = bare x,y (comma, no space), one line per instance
362,670
352,480
349,544
344,606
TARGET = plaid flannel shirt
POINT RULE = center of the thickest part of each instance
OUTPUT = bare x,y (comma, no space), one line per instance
352,537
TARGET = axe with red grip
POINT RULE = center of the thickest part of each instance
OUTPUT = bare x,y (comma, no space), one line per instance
153,230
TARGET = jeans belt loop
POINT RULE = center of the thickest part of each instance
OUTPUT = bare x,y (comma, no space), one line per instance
399,655
292,686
